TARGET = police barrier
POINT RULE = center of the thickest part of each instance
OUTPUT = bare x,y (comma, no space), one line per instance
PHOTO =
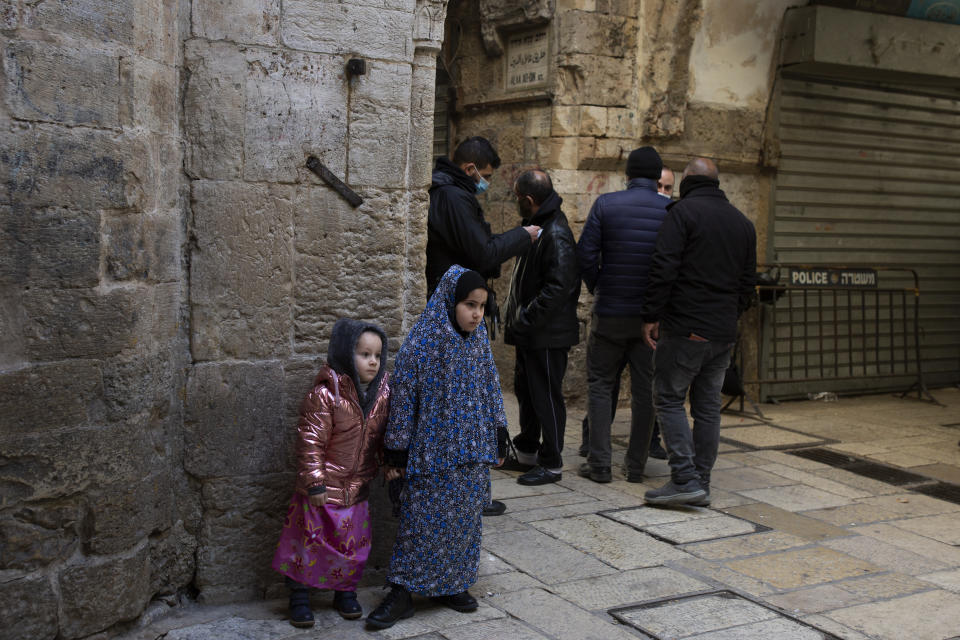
836,323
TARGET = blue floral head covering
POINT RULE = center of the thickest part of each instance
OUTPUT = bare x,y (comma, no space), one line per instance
445,404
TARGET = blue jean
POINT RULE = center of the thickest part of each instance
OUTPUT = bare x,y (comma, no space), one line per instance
683,364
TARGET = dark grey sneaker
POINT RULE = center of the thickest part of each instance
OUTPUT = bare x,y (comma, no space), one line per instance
673,494
597,474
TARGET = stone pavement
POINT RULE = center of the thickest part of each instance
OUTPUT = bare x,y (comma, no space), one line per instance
841,542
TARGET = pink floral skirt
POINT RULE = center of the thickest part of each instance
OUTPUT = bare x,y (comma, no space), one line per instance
324,547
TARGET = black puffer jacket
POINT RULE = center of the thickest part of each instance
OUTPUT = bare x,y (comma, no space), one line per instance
541,311
457,232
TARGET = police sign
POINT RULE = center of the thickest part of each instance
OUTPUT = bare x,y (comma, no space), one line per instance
828,277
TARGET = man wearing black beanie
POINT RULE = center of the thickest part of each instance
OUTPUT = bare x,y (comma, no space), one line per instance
614,255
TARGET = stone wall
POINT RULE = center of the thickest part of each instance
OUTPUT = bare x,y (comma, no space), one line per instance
96,515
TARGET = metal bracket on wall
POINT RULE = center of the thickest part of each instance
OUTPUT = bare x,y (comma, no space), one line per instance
351,196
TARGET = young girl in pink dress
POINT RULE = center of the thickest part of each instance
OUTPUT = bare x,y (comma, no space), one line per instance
325,540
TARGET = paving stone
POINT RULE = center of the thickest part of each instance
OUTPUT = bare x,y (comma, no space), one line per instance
563,511
627,587
647,516
719,526
720,499
508,488
873,487
491,564
884,555
502,523
797,497
852,515
802,567
927,615
911,504
432,618
749,459
767,437
746,478
234,628
900,459
787,460
815,599
817,482
944,528
786,521
781,629
557,618
503,628
883,586
913,542
618,493
834,627
493,585
617,544
690,616
545,558
944,472
720,574
949,580
858,448
743,546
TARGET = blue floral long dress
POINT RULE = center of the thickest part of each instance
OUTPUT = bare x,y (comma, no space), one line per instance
445,409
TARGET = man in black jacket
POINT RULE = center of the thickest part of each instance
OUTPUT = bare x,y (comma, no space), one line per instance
701,279
541,322
457,232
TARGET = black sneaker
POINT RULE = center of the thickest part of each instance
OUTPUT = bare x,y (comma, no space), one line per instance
673,494
539,475
397,605
657,451
495,508
462,602
345,603
705,500
597,474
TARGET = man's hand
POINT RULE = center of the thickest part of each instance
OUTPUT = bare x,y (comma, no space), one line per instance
318,499
651,332
499,462
392,473
534,232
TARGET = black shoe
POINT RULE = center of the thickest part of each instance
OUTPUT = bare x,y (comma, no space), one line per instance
300,614
495,508
675,494
462,602
634,477
537,476
345,603
657,451
705,500
397,605
597,474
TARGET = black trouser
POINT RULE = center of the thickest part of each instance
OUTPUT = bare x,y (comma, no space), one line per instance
614,399
538,384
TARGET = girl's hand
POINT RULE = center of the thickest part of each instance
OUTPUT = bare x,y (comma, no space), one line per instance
318,499
392,473
499,462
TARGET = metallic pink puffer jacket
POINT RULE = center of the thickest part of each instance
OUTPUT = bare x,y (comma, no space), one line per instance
336,446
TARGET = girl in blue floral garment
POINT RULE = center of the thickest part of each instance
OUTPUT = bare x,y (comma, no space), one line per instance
446,428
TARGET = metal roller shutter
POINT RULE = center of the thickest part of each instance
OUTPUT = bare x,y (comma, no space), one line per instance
870,175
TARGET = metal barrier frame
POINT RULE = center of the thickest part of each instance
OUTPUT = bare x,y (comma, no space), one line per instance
768,325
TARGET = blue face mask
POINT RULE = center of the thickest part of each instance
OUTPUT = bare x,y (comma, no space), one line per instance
482,185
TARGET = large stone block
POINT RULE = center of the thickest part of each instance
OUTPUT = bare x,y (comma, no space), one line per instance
98,21
44,398
35,535
596,33
49,247
120,515
295,107
241,21
149,95
581,75
213,105
235,420
143,247
65,85
13,349
148,382
172,560
298,378
380,111
329,26
237,544
241,270
621,123
96,593
81,169
29,609
9,15
159,29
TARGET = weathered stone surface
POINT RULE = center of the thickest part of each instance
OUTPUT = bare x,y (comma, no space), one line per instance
49,247
241,21
235,408
100,592
819,566
29,609
120,515
36,535
26,397
927,615
214,101
56,84
172,559
380,110
596,33
149,94
545,558
584,74
237,545
298,378
106,21
9,15
748,545
621,123
332,27
558,618
690,616
241,270
593,121
702,529
626,587
143,247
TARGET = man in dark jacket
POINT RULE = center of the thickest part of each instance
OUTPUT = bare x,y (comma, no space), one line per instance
457,232
614,253
541,322
701,279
